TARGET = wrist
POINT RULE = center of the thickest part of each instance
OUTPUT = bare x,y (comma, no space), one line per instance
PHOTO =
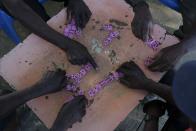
66,45
41,89
148,83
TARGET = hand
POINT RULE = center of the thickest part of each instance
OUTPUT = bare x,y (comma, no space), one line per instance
79,11
133,75
53,81
167,58
142,22
70,113
79,55
155,108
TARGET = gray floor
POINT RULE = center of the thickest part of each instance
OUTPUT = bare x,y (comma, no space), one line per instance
134,121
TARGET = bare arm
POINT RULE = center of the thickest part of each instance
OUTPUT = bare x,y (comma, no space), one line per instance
142,22
71,112
169,56
11,101
54,81
134,78
161,90
77,53
34,23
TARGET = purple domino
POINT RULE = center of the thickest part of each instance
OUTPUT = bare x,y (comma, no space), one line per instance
153,44
108,27
111,36
71,30
98,87
76,78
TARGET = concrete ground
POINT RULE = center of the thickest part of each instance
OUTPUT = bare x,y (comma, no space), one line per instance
134,122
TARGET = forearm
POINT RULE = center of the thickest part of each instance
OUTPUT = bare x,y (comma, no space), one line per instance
33,22
10,102
161,90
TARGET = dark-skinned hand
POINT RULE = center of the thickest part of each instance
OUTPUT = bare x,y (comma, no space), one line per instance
142,22
70,113
79,55
53,81
79,11
167,58
155,108
133,76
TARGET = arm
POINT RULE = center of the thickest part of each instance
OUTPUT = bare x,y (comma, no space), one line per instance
71,112
134,78
26,16
78,10
11,101
153,109
142,24
77,53
151,125
169,56
52,83
161,90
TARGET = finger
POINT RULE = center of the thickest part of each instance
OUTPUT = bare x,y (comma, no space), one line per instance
81,61
81,100
73,61
157,61
49,74
60,72
86,18
92,62
154,66
145,32
127,66
134,29
64,83
123,70
125,82
77,19
82,21
83,112
122,66
139,27
130,65
150,28
157,67
68,15
88,15
83,104
166,67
